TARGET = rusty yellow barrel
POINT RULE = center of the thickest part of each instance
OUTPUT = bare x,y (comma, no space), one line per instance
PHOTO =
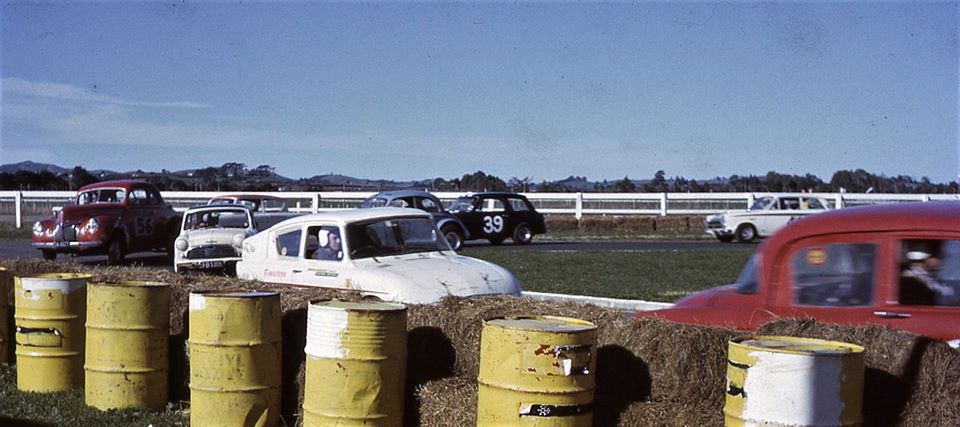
356,364
775,380
4,315
235,358
50,312
128,327
536,370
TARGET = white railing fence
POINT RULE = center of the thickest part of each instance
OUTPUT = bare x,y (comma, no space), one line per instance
17,205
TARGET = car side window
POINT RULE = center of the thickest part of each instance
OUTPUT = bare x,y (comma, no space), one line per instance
138,196
929,272
400,203
834,275
518,205
428,205
814,203
288,244
492,205
789,203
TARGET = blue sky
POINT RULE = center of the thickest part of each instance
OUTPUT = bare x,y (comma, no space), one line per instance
544,90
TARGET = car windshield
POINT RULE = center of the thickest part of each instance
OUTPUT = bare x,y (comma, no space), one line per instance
101,195
747,282
393,237
374,202
762,204
234,218
462,204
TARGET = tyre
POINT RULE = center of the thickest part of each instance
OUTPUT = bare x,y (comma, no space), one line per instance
725,238
522,235
49,255
746,233
453,235
117,251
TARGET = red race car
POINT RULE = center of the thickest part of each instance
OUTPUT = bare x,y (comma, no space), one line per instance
895,265
113,218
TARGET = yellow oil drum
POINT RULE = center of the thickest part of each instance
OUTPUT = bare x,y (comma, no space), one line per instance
127,360
4,315
788,381
235,358
356,356
536,371
50,313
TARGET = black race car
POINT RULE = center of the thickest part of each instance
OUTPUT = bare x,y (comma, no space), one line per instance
496,216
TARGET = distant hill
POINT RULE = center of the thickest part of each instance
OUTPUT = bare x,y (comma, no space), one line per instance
338,182
29,166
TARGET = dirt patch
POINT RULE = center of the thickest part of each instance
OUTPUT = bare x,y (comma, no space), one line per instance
649,372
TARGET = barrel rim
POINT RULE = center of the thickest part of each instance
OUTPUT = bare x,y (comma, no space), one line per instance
585,326
59,276
130,284
839,348
234,293
355,306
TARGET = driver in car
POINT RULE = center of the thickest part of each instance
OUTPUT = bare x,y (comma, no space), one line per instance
331,247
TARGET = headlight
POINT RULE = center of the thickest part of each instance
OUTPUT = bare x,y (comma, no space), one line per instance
92,225
37,228
181,244
238,240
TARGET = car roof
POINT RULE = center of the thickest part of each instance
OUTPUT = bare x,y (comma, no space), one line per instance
126,184
355,215
248,196
395,194
494,194
216,207
892,217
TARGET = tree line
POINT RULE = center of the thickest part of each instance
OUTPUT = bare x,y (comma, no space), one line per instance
238,177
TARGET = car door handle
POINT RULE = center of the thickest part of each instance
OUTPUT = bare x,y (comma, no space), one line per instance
891,315
298,271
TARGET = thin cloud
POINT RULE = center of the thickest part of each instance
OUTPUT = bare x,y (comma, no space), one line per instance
67,92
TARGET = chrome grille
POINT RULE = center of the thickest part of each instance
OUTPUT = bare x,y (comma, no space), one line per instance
212,251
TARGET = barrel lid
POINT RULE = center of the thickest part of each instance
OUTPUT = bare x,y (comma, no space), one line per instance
234,293
59,276
796,345
542,323
131,284
336,304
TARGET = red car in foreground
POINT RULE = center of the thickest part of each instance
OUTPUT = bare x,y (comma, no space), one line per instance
113,218
895,265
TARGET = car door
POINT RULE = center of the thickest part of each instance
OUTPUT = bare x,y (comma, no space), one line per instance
290,265
832,279
494,218
143,228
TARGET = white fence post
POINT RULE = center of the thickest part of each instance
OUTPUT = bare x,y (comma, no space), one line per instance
663,204
18,200
578,211
838,200
315,203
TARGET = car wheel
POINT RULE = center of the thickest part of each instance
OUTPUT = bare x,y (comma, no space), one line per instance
725,238
522,235
746,233
230,269
49,255
117,251
453,236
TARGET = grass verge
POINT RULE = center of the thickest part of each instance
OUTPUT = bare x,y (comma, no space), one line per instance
652,276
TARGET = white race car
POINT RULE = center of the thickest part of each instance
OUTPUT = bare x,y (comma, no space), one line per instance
767,215
390,254
210,237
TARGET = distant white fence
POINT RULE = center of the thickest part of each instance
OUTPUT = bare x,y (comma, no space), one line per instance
17,204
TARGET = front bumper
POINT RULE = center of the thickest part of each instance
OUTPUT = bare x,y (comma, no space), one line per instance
206,264
70,246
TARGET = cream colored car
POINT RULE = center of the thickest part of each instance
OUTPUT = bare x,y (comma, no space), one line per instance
767,215
390,254
210,237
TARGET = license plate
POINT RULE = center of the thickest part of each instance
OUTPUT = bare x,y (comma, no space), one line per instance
211,264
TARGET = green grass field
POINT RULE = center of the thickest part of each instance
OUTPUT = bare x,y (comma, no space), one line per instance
652,276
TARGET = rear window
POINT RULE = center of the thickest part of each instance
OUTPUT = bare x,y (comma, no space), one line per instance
747,282
834,275
374,202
